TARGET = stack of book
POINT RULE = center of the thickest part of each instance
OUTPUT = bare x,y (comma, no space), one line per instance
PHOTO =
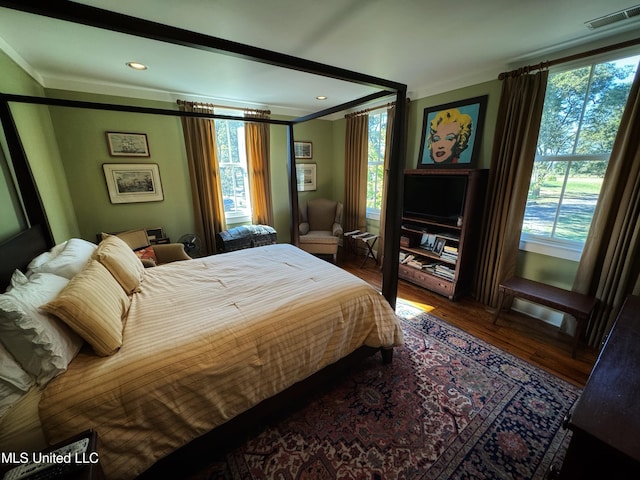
444,271
450,253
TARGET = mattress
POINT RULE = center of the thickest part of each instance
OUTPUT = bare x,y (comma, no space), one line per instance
205,340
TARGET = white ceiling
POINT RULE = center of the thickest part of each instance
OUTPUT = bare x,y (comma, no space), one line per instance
432,46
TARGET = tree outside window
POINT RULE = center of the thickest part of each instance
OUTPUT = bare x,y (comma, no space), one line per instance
375,167
232,160
580,119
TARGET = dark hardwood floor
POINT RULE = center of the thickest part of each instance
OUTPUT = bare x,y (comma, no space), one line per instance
532,340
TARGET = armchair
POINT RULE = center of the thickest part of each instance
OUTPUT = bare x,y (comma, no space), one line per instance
320,226
152,255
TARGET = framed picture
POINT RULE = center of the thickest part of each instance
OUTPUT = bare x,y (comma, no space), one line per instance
438,245
303,149
154,234
133,182
451,134
306,175
127,144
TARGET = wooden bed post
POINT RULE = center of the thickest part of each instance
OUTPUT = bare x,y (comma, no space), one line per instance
393,212
293,188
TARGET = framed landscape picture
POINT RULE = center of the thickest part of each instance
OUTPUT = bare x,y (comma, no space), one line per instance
127,144
303,149
133,182
451,134
306,176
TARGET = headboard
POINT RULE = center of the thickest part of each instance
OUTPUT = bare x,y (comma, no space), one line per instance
18,251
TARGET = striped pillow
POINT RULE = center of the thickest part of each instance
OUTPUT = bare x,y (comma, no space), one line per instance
93,304
122,262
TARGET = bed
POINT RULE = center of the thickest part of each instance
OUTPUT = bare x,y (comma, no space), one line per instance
43,414
203,341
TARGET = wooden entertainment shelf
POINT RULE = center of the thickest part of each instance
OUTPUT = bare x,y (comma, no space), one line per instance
444,251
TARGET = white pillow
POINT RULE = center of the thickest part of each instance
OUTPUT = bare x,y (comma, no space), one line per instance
45,257
14,381
67,262
41,343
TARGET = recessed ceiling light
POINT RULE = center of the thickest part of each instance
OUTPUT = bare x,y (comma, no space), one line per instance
321,97
137,65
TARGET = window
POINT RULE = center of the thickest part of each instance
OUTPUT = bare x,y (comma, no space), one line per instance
375,170
232,159
580,119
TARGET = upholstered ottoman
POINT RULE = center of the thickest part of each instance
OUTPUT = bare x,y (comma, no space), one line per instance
245,236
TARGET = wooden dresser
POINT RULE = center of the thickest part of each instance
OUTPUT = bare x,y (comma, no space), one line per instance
606,419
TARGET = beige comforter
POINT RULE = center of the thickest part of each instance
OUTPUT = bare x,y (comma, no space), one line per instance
205,340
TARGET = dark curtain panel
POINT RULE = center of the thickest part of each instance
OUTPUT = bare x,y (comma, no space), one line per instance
514,149
204,173
355,173
610,265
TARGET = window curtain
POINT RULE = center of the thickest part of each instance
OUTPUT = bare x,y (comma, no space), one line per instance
257,137
514,148
391,115
355,173
204,174
609,268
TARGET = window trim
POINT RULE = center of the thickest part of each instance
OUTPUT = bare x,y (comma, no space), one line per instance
555,247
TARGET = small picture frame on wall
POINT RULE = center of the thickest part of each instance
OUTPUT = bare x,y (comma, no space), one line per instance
123,144
133,182
306,176
303,149
451,134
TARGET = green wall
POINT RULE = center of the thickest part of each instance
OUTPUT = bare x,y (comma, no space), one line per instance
83,148
36,130
67,147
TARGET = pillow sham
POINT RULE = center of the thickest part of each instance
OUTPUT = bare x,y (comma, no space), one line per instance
40,343
94,305
14,381
68,262
123,264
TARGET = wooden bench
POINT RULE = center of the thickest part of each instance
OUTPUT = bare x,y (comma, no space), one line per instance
575,304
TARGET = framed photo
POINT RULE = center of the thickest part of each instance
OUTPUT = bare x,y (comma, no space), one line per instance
303,149
127,144
438,245
451,134
133,182
154,234
306,175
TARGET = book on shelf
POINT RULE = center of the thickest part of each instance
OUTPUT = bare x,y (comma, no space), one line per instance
449,256
444,271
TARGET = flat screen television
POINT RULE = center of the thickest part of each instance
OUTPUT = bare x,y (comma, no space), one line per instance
434,197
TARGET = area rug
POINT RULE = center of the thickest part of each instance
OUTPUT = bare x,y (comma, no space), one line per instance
449,407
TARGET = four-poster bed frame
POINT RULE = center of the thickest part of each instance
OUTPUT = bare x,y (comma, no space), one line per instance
38,237
104,19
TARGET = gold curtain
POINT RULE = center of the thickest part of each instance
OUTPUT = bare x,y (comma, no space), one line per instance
257,137
610,265
391,116
355,173
514,148
204,174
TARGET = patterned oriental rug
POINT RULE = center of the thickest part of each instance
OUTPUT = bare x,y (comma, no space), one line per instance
449,407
